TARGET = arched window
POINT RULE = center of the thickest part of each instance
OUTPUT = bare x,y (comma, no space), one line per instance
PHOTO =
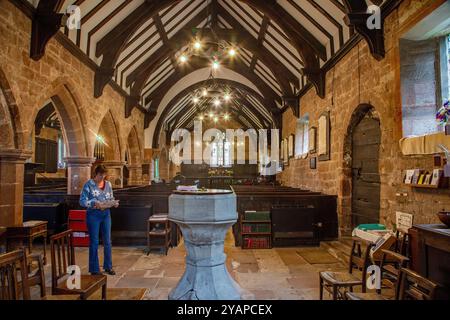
221,153
302,137
61,153
156,169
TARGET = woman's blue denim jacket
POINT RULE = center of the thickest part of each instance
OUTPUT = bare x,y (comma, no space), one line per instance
92,193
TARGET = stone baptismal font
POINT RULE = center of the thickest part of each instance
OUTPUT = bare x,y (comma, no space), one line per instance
204,218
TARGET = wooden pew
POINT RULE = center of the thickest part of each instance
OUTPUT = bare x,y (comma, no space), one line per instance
291,210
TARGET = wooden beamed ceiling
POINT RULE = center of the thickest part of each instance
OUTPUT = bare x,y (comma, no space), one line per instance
282,45
181,106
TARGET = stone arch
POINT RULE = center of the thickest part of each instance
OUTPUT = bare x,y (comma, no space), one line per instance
345,186
109,131
11,136
134,150
134,157
67,104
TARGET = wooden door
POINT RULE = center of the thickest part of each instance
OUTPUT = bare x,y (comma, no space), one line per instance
366,142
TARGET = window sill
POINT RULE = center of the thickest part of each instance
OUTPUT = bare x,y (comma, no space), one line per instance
424,145
301,157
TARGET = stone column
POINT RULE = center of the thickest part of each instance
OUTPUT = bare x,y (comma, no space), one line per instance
78,173
135,171
115,172
11,185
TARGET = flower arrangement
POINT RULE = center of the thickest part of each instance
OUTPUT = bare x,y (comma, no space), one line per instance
443,115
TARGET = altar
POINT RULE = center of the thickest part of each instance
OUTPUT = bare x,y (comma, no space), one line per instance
204,218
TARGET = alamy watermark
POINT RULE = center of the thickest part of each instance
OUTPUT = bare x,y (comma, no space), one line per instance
199,150
73,282
74,17
373,281
374,20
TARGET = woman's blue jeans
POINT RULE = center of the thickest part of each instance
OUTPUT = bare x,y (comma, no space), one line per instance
99,220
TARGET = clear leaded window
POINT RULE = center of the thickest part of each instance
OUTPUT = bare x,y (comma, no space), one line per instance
302,137
448,64
221,154
61,153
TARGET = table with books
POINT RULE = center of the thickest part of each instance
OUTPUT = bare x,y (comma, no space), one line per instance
377,234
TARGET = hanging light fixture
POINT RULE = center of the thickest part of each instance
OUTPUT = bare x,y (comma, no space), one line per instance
183,59
216,51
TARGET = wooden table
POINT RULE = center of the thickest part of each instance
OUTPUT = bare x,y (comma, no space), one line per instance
28,231
430,254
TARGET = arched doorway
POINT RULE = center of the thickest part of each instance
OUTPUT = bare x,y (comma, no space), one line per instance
362,150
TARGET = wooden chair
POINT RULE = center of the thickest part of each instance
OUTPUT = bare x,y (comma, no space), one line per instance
12,265
390,266
332,282
63,255
415,287
158,228
402,243
36,276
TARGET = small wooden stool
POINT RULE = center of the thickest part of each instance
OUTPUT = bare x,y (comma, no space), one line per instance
158,227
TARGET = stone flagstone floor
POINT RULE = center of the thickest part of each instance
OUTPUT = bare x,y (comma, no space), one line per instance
280,273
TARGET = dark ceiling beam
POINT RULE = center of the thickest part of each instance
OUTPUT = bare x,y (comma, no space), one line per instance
244,126
141,74
196,63
139,77
357,17
309,48
214,14
111,45
288,24
46,22
235,116
242,38
241,35
243,100
276,118
261,37
163,34
292,102
243,90
238,103
235,112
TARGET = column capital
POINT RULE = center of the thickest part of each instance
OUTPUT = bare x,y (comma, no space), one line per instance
114,163
134,166
15,155
79,161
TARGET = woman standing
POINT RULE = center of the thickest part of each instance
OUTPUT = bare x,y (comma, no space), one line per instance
96,191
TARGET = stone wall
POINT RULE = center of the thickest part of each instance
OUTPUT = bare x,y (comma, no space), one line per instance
59,77
356,80
33,83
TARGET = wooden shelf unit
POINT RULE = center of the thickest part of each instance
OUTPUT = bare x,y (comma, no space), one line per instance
262,240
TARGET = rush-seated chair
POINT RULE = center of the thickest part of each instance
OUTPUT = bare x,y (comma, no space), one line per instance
335,282
390,267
